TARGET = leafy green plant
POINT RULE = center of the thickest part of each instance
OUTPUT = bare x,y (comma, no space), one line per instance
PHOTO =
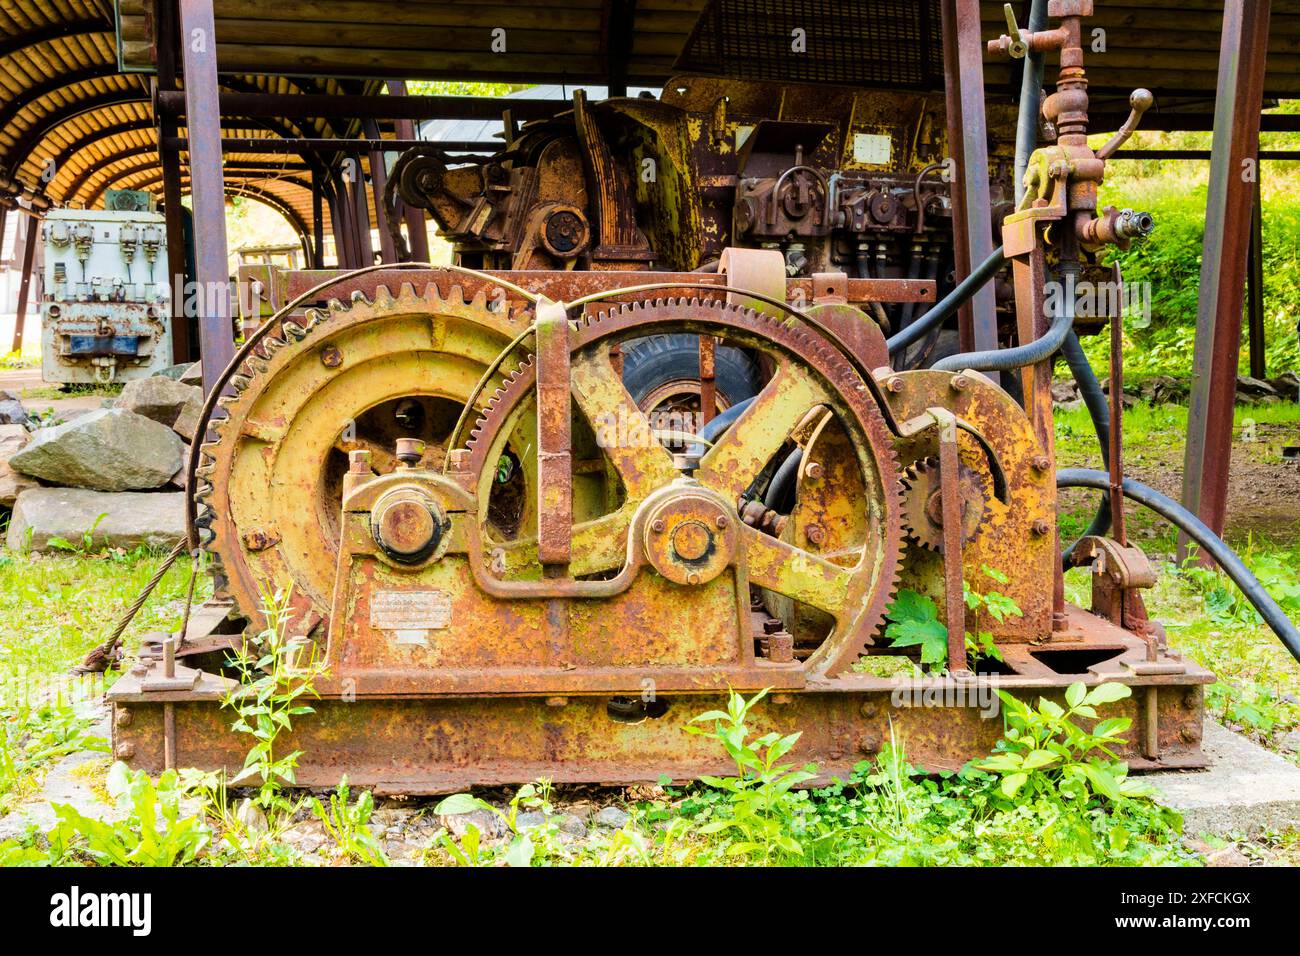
346,824
992,604
272,687
32,737
87,542
760,806
154,833
914,621
1046,751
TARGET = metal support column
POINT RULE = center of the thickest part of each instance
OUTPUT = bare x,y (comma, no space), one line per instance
170,161
317,224
378,183
1238,101
963,66
1255,284
33,227
417,235
207,186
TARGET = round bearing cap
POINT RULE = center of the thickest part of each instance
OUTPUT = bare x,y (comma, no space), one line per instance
409,526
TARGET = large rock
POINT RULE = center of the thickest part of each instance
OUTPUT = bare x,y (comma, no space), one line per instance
109,449
12,440
129,518
187,422
161,399
11,409
193,374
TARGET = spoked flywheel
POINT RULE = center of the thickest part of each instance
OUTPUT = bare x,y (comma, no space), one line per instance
614,443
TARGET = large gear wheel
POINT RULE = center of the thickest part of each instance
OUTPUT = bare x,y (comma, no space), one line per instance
809,373
345,377
923,502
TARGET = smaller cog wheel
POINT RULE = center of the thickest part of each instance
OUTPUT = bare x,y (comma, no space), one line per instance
923,504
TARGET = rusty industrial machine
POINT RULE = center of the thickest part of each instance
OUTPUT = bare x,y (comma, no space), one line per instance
501,561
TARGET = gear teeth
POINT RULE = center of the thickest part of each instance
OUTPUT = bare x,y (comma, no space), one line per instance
358,297
383,297
292,331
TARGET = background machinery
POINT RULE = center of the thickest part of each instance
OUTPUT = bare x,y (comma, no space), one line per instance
106,306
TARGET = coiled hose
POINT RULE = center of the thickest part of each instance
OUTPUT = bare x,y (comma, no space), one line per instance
1199,532
1039,350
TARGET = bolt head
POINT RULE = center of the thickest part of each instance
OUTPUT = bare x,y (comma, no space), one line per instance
657,526
814,469
894,383
959,382
1041,526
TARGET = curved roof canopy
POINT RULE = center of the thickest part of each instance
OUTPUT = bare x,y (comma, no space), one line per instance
76,114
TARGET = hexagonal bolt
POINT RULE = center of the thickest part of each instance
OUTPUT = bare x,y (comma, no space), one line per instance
894,383
123,717
959,382
814,469
657,526
1040,526
722,522
869,744
359,461
331,357
1041,463
125,750
815,534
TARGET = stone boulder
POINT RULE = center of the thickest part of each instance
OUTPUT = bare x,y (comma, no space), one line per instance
109,449
193,374
12,440
129,518
187,422
159,398
11,409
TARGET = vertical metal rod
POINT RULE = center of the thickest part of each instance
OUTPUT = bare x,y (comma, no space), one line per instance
950,503
1242,55
1255,283
554,441
708,379
1115,438
207,186
33,227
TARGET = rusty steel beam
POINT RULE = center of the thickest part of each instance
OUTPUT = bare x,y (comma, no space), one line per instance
207,184
33,227
968,145
318,145
1242,59
345,106
378,182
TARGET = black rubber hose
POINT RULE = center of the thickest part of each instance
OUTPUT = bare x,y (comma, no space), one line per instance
781,488
944,309
1210,542
1099,411
1003,360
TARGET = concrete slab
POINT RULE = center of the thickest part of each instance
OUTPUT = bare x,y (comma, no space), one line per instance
1246,789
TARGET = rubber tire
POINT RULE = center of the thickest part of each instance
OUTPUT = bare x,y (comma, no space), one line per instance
655,360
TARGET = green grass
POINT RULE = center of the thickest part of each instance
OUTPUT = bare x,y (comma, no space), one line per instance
19,360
